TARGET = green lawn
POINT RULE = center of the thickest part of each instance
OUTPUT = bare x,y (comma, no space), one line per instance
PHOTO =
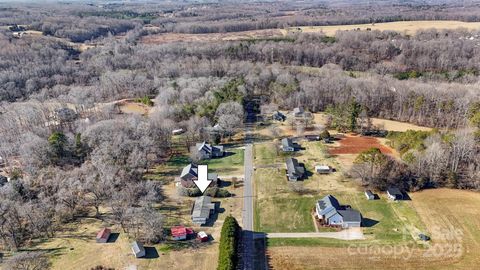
268,153
384,221
231,163
167,171
279,209
285,215
316,153
306,242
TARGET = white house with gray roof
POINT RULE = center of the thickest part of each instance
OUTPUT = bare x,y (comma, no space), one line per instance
202,210
394,194
323,169
138,250
208,151
369,194
288,145
294,170
330,212
298,112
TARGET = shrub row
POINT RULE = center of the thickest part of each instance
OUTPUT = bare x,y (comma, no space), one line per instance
227,259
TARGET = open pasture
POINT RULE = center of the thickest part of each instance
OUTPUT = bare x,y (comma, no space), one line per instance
449,215
407,27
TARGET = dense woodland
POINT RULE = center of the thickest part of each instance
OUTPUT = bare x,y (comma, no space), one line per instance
70,153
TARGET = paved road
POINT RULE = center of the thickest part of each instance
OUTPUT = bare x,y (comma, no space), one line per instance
248,242
247,214
248,189
348,234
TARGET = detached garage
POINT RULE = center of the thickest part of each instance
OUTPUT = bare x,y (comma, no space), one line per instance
138,249
351,218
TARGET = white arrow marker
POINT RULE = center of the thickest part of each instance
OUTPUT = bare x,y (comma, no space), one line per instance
202,182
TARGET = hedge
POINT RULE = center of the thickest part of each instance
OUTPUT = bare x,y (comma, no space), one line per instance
227,259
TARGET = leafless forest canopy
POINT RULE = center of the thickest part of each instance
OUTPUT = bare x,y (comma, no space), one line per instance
68,150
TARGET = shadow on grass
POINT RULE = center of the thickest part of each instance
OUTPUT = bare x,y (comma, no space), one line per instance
367,222
221,170
77,237
406,197
113,237
51,251
168,207
178,160
213,218
228,154
150,253
307,174
223,183
261,138
182,245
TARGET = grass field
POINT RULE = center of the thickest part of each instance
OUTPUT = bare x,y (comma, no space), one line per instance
408,27
131,107
320,118
279,209
75,248
212,37
229,165
391,229
451,217
391,125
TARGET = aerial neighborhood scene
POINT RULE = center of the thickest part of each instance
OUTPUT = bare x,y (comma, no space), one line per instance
226,135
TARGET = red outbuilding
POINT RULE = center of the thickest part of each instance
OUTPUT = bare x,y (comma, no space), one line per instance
180,232
103,235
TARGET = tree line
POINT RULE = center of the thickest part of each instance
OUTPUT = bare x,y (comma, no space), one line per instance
429,160
67,176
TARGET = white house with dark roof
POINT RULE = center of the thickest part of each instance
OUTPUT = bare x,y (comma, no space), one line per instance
298,112
323,169
330,212
288,145
394,194
208,151
278,116
294,170
369,194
